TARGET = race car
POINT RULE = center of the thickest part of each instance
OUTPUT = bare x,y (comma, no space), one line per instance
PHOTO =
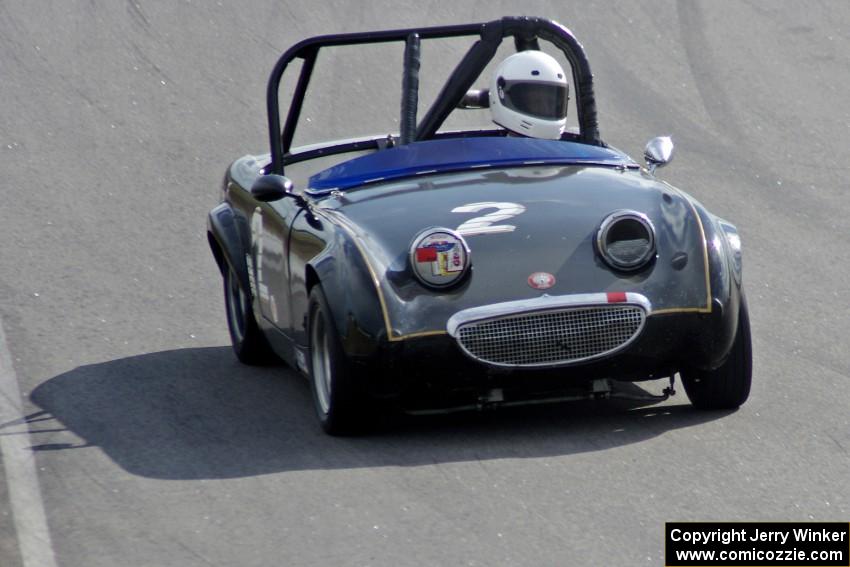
434,270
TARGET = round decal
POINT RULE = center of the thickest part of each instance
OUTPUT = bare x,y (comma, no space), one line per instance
541,280
439,257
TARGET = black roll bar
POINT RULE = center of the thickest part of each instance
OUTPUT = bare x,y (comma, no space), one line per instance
524,30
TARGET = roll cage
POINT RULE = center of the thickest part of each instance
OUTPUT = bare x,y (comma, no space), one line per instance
525,31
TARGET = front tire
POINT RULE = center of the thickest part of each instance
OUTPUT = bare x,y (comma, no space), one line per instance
247,339
339,403
727,386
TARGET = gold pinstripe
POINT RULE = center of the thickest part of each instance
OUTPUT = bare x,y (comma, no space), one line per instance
421,334
679,310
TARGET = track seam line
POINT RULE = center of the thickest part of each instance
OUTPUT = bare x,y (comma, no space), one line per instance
30,519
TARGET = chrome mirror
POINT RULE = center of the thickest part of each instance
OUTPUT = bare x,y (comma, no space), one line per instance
658,152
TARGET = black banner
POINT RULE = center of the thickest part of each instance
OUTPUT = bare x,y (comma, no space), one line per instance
757,544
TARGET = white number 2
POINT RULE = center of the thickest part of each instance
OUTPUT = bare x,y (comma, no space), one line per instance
485,224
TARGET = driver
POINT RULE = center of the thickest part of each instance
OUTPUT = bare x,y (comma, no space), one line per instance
529,94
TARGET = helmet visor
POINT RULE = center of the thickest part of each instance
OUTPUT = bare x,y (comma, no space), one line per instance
541,100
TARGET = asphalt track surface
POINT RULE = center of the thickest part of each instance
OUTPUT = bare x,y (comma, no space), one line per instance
150,445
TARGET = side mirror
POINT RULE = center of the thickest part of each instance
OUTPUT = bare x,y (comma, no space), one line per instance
271,187
658,152
475,99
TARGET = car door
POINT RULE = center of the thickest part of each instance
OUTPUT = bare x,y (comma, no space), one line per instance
270,226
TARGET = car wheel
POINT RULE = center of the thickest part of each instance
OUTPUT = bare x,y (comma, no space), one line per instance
248,341
339,403
727,386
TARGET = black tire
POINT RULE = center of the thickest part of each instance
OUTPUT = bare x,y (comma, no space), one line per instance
727,386
340,405
248,341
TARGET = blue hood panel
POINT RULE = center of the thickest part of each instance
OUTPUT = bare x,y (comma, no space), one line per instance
457,154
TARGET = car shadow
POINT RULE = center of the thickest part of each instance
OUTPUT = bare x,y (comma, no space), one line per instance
199,414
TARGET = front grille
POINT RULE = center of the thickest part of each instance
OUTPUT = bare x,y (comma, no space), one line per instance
552,337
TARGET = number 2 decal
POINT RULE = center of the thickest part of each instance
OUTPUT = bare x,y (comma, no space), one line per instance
485,224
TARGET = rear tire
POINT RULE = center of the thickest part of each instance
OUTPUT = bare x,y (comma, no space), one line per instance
727,386
338,400
247,339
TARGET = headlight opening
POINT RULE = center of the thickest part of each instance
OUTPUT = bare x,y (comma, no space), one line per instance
626,240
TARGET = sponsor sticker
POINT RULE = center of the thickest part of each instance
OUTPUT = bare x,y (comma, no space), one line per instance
428,254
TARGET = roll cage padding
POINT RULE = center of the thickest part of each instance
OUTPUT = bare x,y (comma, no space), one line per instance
409,89
524,30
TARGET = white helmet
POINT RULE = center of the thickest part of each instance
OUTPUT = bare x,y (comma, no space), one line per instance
529,95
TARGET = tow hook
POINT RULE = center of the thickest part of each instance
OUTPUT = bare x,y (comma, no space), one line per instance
490,398
670,390
601,389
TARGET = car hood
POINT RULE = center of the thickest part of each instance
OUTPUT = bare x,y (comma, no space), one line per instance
524,220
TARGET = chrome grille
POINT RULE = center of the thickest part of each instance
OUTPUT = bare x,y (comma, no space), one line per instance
552,337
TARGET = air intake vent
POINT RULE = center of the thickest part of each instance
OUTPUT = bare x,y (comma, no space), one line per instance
551,338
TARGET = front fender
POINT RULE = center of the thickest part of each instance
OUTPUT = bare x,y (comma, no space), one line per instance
226,243
726,289
323,252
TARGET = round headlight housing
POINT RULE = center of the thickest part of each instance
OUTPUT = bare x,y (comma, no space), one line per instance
439,257
626,240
